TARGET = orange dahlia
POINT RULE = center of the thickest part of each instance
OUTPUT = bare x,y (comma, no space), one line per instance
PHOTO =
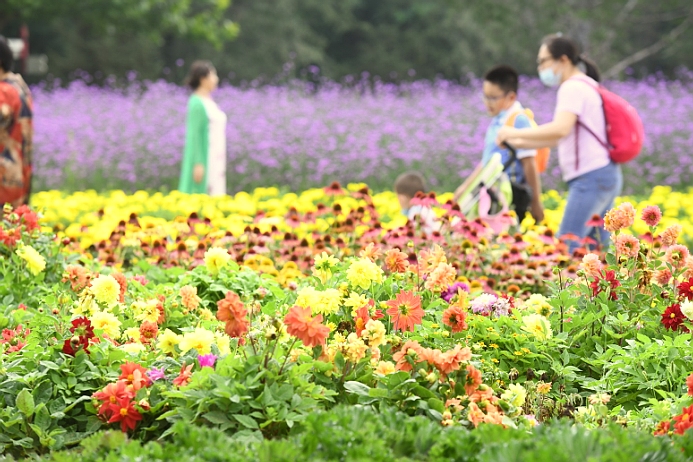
450,360
456,318
401,356
232,311
473,379
405,311
396,261
300,323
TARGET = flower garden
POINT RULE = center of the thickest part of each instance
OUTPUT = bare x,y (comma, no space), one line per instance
281,324
321,325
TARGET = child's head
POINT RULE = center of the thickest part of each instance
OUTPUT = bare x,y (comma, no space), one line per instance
406,187
500,89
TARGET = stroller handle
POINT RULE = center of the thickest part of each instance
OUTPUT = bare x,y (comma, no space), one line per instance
512,157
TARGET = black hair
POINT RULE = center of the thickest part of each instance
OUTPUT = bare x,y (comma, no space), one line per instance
408,184
561,46
6,58
504,76
198,71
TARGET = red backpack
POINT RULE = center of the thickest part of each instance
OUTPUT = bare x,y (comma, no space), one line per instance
624,130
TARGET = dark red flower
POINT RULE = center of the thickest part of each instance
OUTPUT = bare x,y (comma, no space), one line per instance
82,327
673,318
73,344
607,281
686,289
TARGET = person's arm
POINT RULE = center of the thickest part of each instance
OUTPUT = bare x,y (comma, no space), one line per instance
197,129
520,143
534,181
461,188
547,133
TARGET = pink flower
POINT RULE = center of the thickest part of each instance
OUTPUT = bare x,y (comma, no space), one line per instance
592,265
651,215
662,277
688,274
627,245
596,221
424,200
207,360
670,235
155,374
620,217
677,255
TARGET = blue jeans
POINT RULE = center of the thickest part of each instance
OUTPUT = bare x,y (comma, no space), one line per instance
591,194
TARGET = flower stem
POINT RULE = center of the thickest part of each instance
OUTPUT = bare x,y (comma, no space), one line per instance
286,358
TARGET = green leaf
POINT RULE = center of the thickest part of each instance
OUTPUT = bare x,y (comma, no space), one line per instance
357,388
378,393
246,421
93,424
43,392
24,442
25,402
436,404
218,418
323,366
43,418
38,430
610,259
77,401
50,365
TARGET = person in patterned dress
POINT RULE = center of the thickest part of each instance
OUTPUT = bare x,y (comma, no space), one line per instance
16,146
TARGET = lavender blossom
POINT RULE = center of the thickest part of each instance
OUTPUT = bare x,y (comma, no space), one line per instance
451,291
107,138
155,374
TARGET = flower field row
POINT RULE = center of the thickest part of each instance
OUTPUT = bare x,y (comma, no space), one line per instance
89,137
151,314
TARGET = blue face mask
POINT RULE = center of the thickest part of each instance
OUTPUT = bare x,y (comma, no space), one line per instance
550,78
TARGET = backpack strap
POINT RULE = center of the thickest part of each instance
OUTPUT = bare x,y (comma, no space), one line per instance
510,122
578,123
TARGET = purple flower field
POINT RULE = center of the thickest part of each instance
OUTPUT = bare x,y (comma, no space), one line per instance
89,137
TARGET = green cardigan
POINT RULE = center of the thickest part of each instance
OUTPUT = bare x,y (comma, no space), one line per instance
196,147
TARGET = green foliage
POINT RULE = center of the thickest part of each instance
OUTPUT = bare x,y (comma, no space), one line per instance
359,434
152,18
387,38
248,395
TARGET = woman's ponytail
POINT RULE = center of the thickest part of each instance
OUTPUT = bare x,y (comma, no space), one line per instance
591,68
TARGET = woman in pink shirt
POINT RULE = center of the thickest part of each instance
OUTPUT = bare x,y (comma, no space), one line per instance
594,181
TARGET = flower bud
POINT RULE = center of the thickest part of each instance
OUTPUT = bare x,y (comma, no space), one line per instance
144,404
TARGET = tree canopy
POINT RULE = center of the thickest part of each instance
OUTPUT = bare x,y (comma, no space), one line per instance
393,39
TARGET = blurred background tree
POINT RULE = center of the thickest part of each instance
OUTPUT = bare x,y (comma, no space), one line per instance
270,40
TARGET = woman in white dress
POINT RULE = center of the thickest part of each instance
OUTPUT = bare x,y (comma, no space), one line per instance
204,159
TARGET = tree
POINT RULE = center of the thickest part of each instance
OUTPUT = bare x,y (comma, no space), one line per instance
193,18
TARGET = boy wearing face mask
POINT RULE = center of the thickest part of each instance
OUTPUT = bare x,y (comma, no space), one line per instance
578,129
500,89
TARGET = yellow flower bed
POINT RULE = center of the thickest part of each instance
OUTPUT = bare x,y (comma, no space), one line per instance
91,217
